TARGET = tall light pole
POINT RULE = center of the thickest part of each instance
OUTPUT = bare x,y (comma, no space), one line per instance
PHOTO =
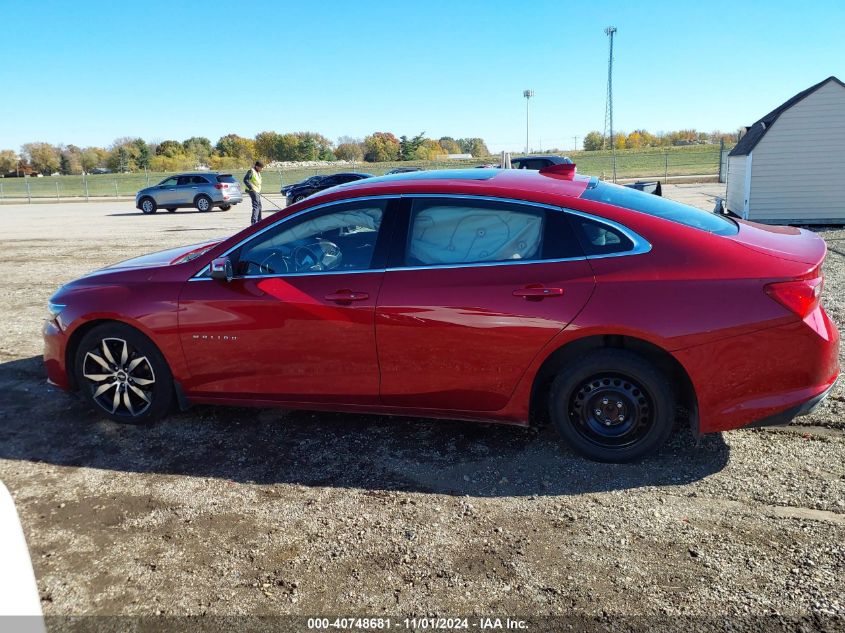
527,94
608,112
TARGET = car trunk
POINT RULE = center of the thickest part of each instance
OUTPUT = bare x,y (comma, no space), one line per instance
785,242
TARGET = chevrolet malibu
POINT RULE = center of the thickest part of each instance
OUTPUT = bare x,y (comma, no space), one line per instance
480,294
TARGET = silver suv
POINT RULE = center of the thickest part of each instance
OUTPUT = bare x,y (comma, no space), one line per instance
202,191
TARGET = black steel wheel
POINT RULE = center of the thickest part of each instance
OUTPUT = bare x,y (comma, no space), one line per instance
613,406
123,375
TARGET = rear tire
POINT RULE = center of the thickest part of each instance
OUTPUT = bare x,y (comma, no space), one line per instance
202,203
122,374
171,210
613,406
148,206
225,207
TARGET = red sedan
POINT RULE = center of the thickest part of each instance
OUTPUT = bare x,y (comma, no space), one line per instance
475,294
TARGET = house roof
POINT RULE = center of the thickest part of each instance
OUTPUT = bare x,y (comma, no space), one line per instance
758,130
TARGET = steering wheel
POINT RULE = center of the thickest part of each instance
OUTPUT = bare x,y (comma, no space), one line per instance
317,256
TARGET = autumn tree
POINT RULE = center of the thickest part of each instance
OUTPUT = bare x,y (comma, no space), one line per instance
349,151
199,148
92,157
593,141
475,146
8,161
449,145
237,147
169,148
429,149
43,157
70,161
380,147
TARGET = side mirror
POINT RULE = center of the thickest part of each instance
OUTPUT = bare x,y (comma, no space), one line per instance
221,268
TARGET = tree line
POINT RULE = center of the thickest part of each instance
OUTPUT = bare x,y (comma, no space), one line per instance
637,139
230,152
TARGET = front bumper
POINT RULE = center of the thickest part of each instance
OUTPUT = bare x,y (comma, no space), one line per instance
55,344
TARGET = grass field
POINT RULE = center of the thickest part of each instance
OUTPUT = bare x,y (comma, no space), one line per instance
654,162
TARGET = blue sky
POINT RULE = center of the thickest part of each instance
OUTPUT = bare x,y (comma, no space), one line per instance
88,72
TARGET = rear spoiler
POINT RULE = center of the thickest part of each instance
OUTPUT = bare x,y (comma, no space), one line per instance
648,186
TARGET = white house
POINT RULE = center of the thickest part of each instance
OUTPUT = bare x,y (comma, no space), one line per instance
789,167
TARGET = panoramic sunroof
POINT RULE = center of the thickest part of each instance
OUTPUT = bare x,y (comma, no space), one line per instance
438,174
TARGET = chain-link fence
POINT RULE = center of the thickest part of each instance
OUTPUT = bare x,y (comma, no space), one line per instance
651,163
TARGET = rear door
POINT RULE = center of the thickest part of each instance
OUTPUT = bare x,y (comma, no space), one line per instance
475,288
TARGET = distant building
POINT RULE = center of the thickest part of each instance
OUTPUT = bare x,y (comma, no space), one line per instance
789,167
457,156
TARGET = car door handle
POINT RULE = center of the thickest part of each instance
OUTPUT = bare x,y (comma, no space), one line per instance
194,187
347,296
537,292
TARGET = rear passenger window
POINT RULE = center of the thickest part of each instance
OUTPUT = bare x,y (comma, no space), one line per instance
598,238
199,180
464,232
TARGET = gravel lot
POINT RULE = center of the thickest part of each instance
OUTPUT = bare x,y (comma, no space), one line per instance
222,512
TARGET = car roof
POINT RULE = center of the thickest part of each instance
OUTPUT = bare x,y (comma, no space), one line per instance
504,183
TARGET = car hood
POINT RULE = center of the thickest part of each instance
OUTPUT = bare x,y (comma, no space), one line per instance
177,255
786,242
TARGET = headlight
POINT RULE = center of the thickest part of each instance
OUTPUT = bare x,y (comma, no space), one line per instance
55,308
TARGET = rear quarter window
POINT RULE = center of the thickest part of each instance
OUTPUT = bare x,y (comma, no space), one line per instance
628,198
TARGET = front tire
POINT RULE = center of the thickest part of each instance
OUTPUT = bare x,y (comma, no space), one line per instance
613,406
148,206
203,203
299,198
122,374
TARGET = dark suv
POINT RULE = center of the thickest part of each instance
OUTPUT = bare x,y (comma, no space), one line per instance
312,185
538,162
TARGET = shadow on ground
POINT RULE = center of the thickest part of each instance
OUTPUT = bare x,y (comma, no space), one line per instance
39,423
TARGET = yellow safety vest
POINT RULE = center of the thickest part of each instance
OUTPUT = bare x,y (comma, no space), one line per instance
254,179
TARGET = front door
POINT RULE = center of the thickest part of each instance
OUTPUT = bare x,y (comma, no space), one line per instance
167,191
480,288
297,321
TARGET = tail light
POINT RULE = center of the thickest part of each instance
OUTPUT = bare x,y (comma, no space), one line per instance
800,297
221,185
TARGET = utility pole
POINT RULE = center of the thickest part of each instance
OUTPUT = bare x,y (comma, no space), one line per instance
527,94
608,112
575,143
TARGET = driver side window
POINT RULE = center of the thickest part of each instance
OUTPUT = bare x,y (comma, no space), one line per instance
338,238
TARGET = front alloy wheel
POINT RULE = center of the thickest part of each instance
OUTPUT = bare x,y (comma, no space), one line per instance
123,374
122,379
148,206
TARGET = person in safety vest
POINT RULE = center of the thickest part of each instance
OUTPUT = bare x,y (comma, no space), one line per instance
252,180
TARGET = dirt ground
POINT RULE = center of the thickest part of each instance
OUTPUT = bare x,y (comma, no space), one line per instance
228,512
